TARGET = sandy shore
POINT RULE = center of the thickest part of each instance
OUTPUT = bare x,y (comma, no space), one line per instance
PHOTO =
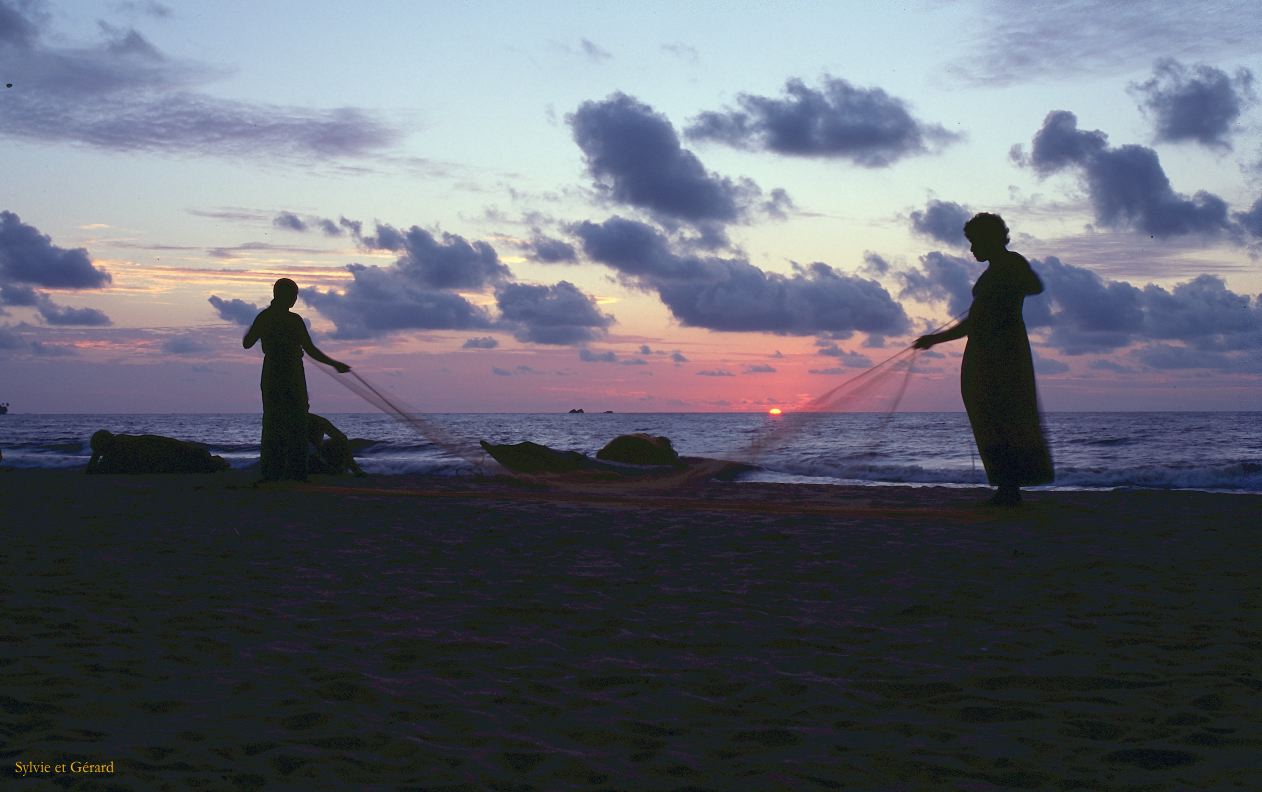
416,633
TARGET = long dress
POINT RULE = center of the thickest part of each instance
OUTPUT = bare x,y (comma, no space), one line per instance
283,449
997,377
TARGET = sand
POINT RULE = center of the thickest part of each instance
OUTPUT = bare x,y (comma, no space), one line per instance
400,632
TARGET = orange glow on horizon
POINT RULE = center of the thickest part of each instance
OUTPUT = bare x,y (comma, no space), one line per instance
774,411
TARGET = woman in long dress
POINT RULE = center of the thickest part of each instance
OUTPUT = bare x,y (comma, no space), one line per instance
283,450
997,373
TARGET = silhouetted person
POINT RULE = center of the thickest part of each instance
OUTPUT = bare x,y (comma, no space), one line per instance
283,450
997,373
329,449
122,453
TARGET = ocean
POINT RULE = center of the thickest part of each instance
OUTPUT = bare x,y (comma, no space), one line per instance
1215,451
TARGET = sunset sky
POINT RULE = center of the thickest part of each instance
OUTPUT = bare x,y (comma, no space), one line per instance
519,207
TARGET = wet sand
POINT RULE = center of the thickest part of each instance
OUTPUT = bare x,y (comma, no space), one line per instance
403,632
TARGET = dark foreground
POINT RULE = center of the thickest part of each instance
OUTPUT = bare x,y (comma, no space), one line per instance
414,633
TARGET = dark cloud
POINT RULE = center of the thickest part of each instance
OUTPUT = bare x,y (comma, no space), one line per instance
864,125
715,373
546,250
482,342
29,257
943,221
1126,185
760,368
10,338
1075,39
942,277
60,315
1251,220
645,349
499,372
875,264
678,357
633,362
733,295
588,356
559,314
382,300
635,157
779,206
16,30
124,94
238,311
452,263
290,221
329,227
846,358
1197,103
1167,357
1049,366
1104,364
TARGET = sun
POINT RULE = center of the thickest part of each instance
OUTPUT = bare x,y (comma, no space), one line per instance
773,411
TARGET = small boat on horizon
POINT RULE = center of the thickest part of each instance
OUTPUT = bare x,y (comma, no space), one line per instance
4,408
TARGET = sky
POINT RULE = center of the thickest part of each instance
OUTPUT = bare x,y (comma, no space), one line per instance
648,207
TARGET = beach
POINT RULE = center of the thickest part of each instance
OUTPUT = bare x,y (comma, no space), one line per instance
494,633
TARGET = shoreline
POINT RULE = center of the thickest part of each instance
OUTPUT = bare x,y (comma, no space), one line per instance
464,633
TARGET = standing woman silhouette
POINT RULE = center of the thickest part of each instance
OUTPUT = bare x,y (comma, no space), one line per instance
997,373
283,450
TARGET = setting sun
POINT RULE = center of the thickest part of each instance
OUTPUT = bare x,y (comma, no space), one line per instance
774,411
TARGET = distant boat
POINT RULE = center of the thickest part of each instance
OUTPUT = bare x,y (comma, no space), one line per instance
4,408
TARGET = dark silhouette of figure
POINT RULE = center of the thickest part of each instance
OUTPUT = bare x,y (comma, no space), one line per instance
329,449
283,450
122,453
997,373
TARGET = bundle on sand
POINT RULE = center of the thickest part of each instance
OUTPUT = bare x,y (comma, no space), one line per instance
626,457
122,453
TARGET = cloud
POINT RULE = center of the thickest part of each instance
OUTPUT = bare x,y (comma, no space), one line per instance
60,315
864,125
942,277
499,372
1071,39
452,263
1049,366
1251,220
760,368
1103,364
635,157
715,373
29,259
1198,103
594,51
682,51
846,358
52,350
1089,314
482,342
942,221
184,345
238,311
633,362
290,221
678,357
588,356
559,314
1126,185
733,295
382,300
546,250
10,338
123,94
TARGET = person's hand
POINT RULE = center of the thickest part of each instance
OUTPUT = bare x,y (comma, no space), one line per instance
924,342
341,368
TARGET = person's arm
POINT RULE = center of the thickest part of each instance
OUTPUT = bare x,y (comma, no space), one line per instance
959,330
311,349
255,332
